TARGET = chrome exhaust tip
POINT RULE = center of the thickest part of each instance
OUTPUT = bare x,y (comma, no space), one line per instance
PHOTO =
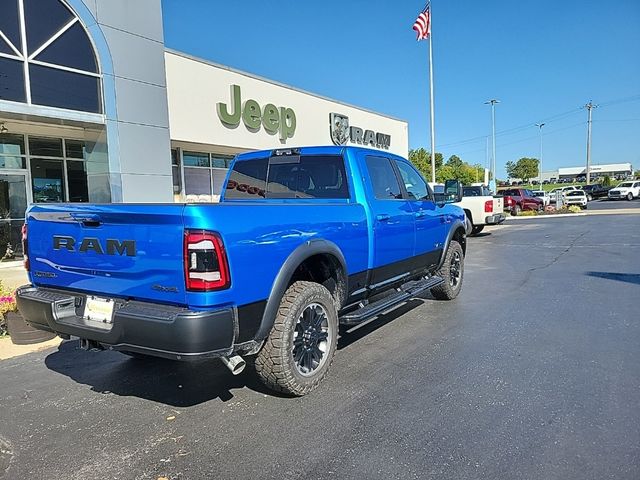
235,364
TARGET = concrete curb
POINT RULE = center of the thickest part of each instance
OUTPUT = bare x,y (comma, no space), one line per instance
626,211
9,350
12,264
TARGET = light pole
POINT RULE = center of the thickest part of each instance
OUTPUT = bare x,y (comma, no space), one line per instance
589,106
493,102
540,125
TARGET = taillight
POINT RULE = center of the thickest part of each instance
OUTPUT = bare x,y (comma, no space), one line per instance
25,255
488,206
205,261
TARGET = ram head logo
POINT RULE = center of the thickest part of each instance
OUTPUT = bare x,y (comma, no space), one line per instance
339,128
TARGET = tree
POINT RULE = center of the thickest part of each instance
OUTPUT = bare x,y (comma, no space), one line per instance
421,159
524,169
455,161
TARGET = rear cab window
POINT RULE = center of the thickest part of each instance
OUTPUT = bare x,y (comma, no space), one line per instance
287,177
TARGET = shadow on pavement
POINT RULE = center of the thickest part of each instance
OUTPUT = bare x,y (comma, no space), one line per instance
175,383
180,384
621,277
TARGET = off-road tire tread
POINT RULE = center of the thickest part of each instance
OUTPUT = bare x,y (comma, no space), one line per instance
445,291
272,362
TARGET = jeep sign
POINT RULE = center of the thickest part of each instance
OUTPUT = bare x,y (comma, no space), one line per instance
342,133
274,120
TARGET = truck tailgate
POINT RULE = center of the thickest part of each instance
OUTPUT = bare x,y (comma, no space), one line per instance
498,203
120,250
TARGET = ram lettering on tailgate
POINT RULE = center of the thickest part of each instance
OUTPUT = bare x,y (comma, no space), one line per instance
89,244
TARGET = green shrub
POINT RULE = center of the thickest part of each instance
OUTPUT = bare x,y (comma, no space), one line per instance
574,209
528,213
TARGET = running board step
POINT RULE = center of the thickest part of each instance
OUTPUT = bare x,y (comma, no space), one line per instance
407,291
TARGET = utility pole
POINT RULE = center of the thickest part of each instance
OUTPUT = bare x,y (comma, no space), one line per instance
540,125
493,102
589,106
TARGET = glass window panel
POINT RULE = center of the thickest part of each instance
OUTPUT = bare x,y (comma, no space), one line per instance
45,147
4,48
13,196
197,181
218,176
177,181
10,22
11,144
75,149
220,162
57,88
12,80
72,49
195,159
12,162
43,19
77,177
248,179
174,157
314,176
383,178
47,180
414,184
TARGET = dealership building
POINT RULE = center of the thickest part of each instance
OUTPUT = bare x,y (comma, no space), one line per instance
613,170
94,108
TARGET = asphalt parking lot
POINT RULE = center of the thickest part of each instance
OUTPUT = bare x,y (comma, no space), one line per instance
533,372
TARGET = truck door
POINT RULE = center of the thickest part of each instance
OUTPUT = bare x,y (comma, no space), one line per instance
430,220
393,222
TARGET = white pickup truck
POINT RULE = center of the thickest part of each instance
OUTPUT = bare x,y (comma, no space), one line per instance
480,207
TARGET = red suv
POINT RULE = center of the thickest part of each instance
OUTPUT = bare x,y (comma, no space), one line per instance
518,199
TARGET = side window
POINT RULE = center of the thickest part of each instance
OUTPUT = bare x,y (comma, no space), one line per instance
248,179
414,184
383,178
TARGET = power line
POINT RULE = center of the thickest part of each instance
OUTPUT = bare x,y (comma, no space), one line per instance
552,118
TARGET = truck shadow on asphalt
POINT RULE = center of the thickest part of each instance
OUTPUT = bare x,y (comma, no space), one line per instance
178,384
620,277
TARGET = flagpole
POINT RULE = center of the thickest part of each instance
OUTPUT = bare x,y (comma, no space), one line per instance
431,103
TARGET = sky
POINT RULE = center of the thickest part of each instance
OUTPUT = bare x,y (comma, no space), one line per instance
543,60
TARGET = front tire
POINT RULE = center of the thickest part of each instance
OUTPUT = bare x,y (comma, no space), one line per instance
629,196
300,347
452,272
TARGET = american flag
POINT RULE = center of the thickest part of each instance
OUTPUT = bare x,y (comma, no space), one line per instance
422,25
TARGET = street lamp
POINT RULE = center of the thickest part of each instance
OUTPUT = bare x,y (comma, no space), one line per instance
493,102
540,125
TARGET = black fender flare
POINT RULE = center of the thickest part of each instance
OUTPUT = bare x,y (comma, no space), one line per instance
281,282
456,226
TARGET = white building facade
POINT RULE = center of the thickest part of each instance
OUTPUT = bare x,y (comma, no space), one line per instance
93,108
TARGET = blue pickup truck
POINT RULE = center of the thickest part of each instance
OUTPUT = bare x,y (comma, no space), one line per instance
303,240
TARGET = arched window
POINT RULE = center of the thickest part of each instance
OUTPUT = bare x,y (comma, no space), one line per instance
46,57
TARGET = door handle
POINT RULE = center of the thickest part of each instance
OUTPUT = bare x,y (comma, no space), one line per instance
421,213
382,217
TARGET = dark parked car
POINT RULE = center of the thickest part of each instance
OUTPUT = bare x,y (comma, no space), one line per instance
518,199
596,191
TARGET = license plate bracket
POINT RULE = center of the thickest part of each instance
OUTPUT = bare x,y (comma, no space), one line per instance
98,309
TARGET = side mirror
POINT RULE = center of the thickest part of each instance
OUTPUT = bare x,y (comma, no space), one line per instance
452,191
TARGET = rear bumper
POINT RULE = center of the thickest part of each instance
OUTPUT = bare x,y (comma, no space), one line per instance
495,219
153,329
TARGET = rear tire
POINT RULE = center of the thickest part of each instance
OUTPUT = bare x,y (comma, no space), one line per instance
300,347
452,272
516,211
477,229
